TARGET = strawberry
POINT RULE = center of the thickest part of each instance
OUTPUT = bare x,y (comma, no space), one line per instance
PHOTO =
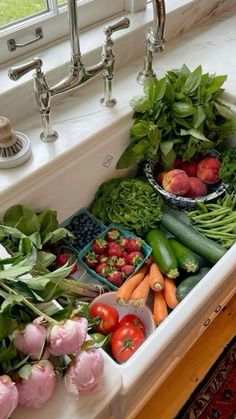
102,269
119,263
127,270
133,245
112,235
115,278
111,260
99,246
114,249
91,259
61,260
134,258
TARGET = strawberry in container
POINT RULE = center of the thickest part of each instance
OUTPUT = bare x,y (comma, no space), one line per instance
114,256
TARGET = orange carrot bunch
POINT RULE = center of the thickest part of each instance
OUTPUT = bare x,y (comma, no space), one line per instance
136,289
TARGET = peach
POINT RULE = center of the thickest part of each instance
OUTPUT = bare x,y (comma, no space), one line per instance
208,170
160,176
197,188
189,167
176,181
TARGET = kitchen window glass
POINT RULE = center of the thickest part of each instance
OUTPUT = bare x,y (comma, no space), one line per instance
20,20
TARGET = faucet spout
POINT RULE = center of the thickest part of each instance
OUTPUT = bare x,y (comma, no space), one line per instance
155,40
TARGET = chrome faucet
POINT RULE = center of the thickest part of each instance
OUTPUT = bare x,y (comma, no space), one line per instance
154,39
78,73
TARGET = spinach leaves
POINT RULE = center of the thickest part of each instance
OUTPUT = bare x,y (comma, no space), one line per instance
179,114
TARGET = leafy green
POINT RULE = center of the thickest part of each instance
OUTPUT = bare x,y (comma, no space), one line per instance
130,203
228,168
182,100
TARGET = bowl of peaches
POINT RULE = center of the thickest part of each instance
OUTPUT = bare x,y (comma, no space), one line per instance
188,182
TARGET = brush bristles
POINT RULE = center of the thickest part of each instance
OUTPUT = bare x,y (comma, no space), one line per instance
12,150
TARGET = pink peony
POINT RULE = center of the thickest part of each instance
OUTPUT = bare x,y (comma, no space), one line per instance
38,387
68,337
8,397
83,376
30,340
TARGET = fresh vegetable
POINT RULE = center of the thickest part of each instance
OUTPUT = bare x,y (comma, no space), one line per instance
217,221
63,258
109,317
186,258
162,253
179,114
140,294
189,283
97,337
190,237
169,292
228,168
123,294
125,341
134,321
156,280
160,311
129,203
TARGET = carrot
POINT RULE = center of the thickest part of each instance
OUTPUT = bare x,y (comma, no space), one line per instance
169,292
156,278
123,294
140,294
160,311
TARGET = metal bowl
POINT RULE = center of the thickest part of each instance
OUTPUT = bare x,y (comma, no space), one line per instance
181,202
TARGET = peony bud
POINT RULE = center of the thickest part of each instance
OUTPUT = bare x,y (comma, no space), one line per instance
38,387
30,340
68,337
8,397
83,376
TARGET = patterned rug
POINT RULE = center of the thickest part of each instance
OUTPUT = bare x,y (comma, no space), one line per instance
215,396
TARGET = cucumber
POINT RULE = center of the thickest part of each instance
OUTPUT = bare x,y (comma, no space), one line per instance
189,283
162,253
190,238
186,258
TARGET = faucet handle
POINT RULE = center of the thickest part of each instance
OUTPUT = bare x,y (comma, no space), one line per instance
121,24
15,73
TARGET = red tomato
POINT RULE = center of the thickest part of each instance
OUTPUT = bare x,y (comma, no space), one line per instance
125,341
134,321
109,318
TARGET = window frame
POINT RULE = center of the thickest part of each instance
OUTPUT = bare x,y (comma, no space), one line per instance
54,24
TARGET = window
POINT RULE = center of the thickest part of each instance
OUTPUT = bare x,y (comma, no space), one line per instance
19,20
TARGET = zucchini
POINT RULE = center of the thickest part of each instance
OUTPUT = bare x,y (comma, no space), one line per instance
189,283
192,239
186,258
162,253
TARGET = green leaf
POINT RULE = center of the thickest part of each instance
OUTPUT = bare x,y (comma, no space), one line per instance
140,129
185,70
193,80
166,147
7,325
128,158
216,83
36,240
223,111
23,218
57,235
25,371
11,231
25,245
154,136
14,272
199,117
197,134
140,147
159,89
183,109
139,104
48,221
45,259
6,354
10,301
168,159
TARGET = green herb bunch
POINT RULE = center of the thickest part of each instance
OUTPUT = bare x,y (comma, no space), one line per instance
228,168
179,114
129,203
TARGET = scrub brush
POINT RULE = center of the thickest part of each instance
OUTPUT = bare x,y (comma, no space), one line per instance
15,146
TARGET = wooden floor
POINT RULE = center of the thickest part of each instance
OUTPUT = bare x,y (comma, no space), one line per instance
173,393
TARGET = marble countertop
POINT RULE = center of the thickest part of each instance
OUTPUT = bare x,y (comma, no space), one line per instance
79,116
